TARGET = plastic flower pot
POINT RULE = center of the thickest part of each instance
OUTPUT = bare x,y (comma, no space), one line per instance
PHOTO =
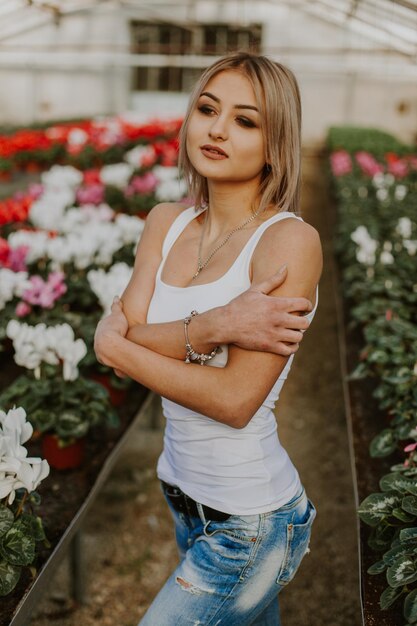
33,167
5,176
62,457
117,396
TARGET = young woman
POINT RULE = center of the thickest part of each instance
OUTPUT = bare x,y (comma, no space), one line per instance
198,296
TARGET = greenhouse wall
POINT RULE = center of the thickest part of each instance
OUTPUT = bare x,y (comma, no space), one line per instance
84,66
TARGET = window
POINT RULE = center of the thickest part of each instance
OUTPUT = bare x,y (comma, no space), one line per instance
174,39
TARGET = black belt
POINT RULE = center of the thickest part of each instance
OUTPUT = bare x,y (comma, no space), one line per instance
184,504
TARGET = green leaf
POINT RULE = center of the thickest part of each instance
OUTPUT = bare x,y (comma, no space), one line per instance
31,525
377,568
378,506
403,571
43,419
408,533
403,549
388,597
71,425
403,516
6,519
383,444
409,504
9,577
395,481
410,607
17,548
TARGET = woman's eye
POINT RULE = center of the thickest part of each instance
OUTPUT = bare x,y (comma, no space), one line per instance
205,109
244,121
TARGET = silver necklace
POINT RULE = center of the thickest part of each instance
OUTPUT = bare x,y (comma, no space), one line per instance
200,264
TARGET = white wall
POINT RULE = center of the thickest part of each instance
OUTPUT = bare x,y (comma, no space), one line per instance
82,67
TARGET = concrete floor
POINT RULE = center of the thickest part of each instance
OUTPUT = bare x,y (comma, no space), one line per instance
128,543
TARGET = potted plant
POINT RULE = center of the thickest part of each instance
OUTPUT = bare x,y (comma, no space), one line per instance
62,405
20,528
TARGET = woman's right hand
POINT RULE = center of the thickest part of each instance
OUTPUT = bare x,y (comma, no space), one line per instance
257,321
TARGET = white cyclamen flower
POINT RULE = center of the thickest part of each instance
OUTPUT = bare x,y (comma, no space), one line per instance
47,212
106,285
386,258
382,194
11,284
39,344
404,227
400,192
60,176
36,241
116,175
17,470
130,227
171,190
367,246
138,155
410,245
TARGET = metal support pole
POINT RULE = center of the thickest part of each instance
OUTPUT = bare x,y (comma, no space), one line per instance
77,570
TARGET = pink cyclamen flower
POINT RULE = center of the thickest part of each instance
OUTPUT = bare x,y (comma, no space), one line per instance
91,194
142,184
399,168
410,447
44,293
340,162
35,190
368,164
23,309
17,258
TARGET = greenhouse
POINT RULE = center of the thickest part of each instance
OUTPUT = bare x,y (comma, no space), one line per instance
141,145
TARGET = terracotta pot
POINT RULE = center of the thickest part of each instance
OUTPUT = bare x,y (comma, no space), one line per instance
117,396
36,435
33,167
67,457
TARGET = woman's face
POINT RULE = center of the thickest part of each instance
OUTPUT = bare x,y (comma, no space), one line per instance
224,138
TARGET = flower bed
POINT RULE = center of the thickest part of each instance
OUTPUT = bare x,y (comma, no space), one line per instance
84,143
376,243
67,247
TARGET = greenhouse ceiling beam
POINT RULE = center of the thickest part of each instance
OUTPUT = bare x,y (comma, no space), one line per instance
408,5
321,10
83,61
329,4
384,9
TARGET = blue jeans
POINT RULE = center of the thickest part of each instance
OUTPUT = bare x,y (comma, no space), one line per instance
230,572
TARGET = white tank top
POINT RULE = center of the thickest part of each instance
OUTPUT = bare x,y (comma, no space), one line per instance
239,471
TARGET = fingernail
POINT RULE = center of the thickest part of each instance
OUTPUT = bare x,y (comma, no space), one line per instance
115,299
282,268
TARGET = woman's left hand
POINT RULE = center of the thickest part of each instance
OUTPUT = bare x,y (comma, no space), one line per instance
117,323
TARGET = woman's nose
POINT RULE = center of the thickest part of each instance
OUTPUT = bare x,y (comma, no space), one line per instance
218,129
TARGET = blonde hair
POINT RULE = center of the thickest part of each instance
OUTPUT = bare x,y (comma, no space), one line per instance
278,100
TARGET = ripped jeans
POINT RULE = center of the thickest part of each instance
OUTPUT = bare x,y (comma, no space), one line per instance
230,572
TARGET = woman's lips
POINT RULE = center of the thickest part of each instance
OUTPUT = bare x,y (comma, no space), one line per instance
212,152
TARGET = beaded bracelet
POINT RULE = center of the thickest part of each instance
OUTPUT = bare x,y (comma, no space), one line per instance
191,354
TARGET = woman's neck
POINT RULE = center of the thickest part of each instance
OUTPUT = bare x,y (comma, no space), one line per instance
230,204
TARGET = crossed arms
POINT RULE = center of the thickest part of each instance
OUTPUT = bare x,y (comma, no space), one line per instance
262,331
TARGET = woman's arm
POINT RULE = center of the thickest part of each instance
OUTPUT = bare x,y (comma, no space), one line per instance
253,320
232,394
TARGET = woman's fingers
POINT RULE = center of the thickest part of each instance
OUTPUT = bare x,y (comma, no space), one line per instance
271,283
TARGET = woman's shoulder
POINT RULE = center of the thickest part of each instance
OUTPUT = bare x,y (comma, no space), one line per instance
161,217
165,213
292,233
292,241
